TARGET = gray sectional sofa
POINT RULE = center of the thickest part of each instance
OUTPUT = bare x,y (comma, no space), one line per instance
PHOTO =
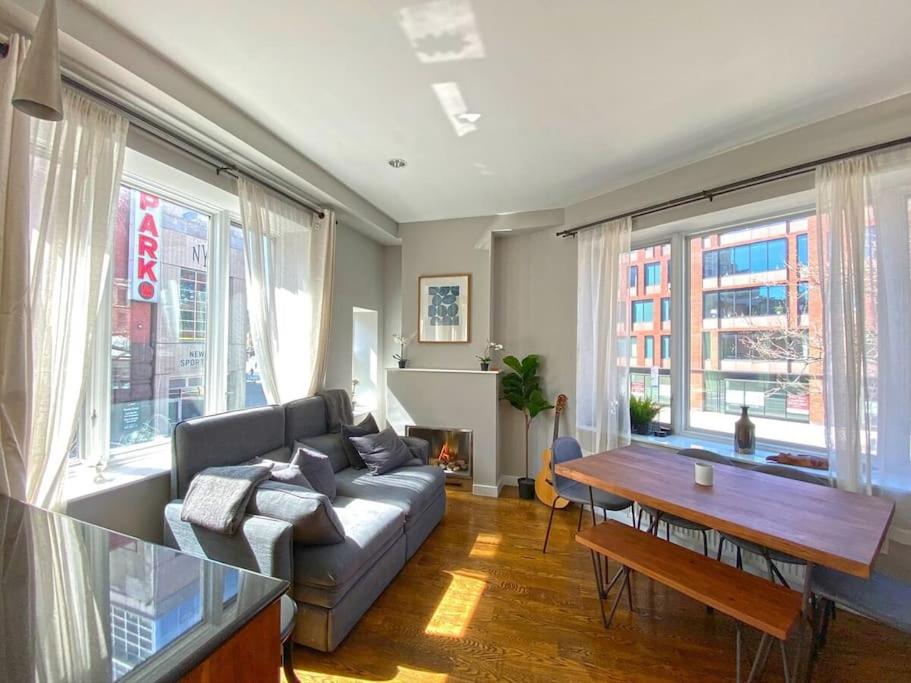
385,517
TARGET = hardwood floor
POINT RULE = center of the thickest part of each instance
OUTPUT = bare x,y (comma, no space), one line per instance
480,602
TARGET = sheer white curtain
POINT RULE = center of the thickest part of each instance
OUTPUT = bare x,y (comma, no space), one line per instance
289,266
15,328
602,332
863,206
76,167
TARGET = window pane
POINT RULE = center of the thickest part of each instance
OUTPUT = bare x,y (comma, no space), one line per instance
652,274
245,389
759,352
778,255
633,276
803,256
159,314
649,373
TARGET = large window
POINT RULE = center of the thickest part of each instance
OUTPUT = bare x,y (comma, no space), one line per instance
759,344
177,317
159,313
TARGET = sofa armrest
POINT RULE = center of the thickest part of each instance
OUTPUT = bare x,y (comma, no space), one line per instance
261,544
419,447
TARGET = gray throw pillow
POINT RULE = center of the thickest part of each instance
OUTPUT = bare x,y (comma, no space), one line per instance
317,468
363,428
310,514
287,472
382,452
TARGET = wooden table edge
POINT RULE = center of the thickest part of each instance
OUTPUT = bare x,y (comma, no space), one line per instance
859,569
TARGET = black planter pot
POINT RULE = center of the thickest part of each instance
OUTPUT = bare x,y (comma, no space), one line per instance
642,429
485,366
526,488
403,363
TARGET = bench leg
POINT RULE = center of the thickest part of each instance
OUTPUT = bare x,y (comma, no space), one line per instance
623,585
596,564
760,658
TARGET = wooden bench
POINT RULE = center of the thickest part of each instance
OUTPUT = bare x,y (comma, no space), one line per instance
772,609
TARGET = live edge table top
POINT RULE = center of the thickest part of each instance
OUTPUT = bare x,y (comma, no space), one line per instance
822,525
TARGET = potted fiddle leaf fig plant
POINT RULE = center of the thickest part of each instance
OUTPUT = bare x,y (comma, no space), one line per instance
522,388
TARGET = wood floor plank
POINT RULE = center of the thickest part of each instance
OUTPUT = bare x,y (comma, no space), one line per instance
479,602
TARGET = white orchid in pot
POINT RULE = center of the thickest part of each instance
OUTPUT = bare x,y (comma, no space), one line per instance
486,356
403,341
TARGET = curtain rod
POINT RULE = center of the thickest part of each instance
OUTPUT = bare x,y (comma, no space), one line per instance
174,139
711,193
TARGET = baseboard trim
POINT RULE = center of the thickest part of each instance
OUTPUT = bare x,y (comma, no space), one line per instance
508,480
487,490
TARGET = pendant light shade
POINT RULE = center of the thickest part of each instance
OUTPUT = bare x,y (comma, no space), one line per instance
38,89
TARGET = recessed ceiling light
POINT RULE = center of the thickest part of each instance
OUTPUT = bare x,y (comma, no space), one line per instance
397,163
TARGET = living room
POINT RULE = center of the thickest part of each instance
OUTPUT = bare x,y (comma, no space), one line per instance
454,340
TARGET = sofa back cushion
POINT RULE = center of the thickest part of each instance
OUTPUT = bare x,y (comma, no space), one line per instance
327,444
225,439
304,418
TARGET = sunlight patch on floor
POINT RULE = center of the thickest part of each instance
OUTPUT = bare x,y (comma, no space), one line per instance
485,546
457,606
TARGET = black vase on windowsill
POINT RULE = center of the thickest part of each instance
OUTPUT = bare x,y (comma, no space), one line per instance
403,362
744,434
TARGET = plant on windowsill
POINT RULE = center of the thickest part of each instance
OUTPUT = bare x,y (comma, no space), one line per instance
642,411
522,388
403,341
487,356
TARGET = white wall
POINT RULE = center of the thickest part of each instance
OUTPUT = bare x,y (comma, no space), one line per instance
446,247
392,303
359,275
535,312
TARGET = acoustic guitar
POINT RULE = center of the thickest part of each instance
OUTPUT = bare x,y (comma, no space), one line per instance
544,487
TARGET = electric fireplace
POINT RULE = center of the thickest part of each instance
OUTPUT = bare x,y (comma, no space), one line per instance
450,448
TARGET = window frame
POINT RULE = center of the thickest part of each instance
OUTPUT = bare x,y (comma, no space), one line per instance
680,314
93,422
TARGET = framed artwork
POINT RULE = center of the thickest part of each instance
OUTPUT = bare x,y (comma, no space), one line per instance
444,308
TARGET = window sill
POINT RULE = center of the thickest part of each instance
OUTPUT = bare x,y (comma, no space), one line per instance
83,482
721,447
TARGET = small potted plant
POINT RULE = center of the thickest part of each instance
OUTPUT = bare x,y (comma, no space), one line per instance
403,341
487,355
642,411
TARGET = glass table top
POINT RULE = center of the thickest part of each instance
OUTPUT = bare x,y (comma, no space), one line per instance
81,603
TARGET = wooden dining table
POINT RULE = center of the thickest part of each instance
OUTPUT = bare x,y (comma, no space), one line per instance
818,524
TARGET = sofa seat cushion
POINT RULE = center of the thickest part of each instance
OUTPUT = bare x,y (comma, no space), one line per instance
411,489
324,573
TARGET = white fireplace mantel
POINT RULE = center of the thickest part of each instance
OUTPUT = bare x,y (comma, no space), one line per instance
443,397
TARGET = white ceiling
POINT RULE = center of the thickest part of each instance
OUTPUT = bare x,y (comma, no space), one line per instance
576,97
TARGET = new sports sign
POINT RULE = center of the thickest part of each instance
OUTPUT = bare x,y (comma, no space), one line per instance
145,242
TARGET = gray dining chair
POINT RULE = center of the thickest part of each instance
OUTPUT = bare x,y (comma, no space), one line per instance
770,555
679,522
880,598
566,449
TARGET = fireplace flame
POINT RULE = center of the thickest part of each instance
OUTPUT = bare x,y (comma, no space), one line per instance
446,456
